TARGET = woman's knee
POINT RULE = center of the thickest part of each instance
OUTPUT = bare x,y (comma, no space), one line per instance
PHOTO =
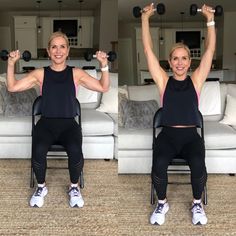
160,166
39,151
198,168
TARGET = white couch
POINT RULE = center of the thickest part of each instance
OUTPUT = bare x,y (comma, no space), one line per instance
135,145
99,125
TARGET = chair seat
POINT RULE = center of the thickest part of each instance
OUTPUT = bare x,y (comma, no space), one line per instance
178,161
57,148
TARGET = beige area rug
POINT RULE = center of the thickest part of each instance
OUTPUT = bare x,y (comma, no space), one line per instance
136,208
97,217
114,204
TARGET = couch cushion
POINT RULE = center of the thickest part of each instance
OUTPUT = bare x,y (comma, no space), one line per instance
89,99
96,123
223,92
109,101
230,111
85,95
2,84
139,114
219,136
231,89
115,120
13,126
122,96
18,103
135,139
144,93
207,105
92,105
93,123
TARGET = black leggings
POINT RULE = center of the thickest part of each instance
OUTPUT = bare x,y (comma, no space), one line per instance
187,143
66,132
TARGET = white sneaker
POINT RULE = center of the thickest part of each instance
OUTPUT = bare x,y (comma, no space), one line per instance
76,199
199,216
37,199
158,216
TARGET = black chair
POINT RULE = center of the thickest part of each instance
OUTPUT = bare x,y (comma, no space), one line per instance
178,164
56,150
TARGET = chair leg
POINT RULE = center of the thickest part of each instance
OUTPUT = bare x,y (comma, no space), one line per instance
205,195
152,194
32,178
81,179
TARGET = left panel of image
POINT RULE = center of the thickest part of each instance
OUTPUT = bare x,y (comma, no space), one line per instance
59,117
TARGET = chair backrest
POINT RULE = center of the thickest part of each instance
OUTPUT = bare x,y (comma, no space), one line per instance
158,117
36,110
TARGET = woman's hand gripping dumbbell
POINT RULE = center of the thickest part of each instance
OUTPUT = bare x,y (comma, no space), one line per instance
111,56
5,55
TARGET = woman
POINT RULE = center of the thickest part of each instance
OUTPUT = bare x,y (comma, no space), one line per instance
180,95
58,83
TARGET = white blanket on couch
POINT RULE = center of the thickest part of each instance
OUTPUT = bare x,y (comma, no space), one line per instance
210,99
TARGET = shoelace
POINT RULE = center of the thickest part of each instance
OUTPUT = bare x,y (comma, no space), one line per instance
197,208
159,208
74,191
38,192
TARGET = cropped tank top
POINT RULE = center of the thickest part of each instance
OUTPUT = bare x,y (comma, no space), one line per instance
58,93
180,103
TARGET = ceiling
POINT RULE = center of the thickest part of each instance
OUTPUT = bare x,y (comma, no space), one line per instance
125,7
47,5
173,9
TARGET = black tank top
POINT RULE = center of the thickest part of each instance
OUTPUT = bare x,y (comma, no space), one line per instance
180,103
58,93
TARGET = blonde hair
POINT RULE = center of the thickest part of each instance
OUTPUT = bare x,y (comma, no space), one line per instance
58,34
179,45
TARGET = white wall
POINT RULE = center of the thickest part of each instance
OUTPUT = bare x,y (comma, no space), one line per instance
5,36
127,31
96,32
126,64
108,24
229,44
5,43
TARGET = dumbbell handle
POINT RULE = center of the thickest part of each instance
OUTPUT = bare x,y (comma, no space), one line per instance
111,56
200,10
21,56
143,11
95,56
8,55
